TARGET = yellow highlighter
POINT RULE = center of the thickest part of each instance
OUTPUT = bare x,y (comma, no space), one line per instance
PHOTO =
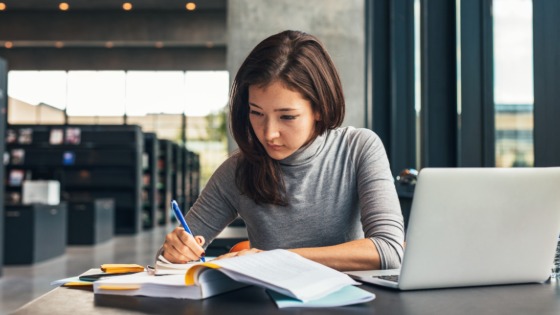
77,284
121,268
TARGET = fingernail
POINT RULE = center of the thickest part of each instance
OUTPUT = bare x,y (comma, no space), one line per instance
203,254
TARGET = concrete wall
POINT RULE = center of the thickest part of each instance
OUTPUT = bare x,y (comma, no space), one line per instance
338,24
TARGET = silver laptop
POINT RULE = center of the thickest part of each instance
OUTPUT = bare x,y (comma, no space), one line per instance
478,226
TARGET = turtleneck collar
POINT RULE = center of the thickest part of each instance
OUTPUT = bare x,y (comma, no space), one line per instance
305,153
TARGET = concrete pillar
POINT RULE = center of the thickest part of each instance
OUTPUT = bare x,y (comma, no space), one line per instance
338,24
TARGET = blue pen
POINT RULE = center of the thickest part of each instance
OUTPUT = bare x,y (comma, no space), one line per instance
179,216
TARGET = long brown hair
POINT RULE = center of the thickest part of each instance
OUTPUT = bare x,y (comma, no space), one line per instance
301,63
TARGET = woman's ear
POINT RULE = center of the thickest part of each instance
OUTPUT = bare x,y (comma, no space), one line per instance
317,116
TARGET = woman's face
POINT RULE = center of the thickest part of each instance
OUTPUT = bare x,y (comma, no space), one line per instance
282,119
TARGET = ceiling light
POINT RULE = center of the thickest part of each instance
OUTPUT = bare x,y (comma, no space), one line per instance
191,6
159,44
8,45
127,6
59,44
2,6
109,44
63,6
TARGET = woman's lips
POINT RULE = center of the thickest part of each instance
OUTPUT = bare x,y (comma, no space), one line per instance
275,147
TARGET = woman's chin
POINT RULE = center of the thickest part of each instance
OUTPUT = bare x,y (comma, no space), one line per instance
278,155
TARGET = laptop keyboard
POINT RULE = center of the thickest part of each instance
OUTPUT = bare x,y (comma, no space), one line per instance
393,278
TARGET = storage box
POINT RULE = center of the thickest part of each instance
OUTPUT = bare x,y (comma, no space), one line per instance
91,223
34,233
41,191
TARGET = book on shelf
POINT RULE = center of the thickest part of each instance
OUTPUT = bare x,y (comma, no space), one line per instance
288,274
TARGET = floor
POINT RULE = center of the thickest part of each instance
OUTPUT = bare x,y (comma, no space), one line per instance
21,284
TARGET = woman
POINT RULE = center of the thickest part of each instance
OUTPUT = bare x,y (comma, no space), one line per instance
298,180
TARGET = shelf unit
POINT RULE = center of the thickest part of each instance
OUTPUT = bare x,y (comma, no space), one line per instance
149,180
177,177
164,170
192,178
90,161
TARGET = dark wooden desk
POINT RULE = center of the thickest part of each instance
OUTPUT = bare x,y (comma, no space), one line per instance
542,299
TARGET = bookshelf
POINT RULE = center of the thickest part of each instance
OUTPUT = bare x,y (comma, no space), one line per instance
89,161
177,175
149,180
192,182
164,170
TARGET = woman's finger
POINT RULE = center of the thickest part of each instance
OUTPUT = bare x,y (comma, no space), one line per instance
181,247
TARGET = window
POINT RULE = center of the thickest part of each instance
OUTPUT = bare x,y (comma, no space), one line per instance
163,102
513,82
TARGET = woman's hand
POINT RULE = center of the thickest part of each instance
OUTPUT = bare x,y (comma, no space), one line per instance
180,247
240,253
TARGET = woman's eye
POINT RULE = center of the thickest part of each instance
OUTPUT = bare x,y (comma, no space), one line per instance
254,112
288,117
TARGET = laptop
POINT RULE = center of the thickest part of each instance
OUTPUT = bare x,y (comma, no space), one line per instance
478,226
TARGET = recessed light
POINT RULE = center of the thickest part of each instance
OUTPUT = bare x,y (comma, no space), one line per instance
63,6
191,6
8,45
59,44
2,6
109,44
159,44
127,6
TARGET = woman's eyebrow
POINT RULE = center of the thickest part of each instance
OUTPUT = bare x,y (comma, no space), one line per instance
287,109
255,105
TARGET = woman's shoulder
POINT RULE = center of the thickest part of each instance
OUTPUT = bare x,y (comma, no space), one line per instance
226,171
357,136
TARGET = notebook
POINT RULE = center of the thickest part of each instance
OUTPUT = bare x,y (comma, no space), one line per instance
478,226
278,270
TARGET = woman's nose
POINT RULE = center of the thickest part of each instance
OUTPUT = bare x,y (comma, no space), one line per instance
271,130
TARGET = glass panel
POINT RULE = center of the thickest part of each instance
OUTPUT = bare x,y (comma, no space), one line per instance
513,82
206,91
36,97
155,92
96,93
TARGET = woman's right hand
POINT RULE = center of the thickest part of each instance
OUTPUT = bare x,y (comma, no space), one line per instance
180,247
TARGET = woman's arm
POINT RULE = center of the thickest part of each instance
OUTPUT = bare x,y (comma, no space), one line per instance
354,255
381,216
212,212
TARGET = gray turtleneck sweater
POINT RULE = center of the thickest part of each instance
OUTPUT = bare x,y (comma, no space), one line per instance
340,189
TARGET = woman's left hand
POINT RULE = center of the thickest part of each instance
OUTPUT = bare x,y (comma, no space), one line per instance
240,253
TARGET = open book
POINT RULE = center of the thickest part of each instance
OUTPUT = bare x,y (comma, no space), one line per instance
163,268
278,270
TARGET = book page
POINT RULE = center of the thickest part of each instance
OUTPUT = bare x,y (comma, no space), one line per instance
346,296
285,272
165,268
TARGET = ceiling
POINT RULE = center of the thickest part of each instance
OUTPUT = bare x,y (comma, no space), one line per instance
113,4
100,35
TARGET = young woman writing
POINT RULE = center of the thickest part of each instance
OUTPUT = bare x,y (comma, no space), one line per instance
299,181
